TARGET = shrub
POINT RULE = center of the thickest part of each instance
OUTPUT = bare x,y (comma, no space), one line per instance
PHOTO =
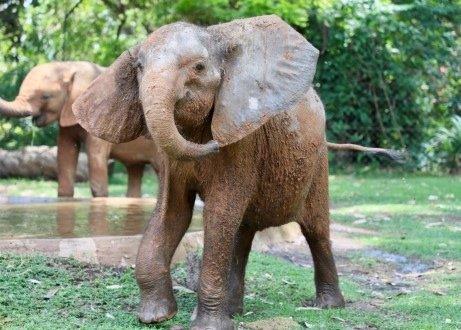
443,151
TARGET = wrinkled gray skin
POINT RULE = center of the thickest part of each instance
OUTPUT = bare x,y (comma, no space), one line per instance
233,109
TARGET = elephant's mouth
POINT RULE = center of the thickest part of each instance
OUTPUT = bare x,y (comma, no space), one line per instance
39,121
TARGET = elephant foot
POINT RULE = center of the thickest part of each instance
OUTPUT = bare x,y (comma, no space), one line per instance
328,300
208,322
66,194
153,310
235,308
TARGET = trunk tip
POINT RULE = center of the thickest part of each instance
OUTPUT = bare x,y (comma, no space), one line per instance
199,151
210,148
213,146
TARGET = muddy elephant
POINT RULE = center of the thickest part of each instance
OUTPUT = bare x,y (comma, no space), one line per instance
232,106
47,94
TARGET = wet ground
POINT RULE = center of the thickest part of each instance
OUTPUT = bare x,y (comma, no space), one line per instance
34,217
99,230
108,231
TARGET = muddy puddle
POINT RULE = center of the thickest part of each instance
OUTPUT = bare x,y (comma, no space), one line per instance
27,217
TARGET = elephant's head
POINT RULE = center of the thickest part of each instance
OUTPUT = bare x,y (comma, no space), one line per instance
234,76
48,91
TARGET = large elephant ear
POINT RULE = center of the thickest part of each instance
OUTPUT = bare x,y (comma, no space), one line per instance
110,108
269,68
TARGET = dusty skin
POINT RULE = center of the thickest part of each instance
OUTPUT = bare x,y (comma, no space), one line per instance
233,109
47,94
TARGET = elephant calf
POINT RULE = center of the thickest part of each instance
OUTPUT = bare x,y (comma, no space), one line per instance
47,94
233,107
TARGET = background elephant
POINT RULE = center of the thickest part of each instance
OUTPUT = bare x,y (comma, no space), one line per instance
233,108
47,94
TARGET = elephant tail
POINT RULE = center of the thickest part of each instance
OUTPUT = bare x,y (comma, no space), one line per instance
395,155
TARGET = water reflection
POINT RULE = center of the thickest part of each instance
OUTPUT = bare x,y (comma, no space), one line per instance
21,218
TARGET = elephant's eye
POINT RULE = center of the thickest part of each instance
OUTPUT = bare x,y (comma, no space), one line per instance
46,97
139,66
199,67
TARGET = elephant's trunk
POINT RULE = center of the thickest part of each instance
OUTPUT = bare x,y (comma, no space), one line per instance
158,96
16,108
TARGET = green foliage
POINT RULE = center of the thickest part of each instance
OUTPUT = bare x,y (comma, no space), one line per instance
389,71
388,74
444,150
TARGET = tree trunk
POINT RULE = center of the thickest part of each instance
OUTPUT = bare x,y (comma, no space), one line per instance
37,162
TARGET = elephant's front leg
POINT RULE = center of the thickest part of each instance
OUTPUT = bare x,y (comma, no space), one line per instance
68,149
223,214
166,228
98,155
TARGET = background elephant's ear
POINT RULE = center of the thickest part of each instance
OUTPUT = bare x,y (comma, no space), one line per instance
269,68
67,117
110,108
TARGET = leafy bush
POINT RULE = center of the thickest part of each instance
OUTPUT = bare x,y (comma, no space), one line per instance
444,150
387,73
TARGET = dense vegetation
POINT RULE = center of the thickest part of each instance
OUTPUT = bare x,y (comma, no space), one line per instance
389,72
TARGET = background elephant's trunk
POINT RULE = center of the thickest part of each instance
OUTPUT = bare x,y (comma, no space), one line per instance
16,108
158,101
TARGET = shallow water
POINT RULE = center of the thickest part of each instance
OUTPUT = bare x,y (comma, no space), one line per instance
28,217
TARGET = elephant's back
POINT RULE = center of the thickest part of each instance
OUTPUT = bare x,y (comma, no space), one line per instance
138,151
92,70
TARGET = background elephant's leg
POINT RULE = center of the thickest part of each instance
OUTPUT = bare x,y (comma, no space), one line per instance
242,247
223,215
98,222
165,230
65,219
68,149
135,173
316,229
98,156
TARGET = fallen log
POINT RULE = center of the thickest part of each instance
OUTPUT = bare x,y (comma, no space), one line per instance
37,162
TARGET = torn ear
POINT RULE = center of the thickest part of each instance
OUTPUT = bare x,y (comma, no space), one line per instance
67,117
268,67
110,108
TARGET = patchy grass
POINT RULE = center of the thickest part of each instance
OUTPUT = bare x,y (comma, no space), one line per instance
42,293
413,216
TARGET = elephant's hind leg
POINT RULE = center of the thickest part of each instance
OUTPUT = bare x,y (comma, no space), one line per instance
316,229
165,230
98,155
135,173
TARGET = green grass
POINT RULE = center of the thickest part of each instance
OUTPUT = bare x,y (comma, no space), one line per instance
394,188
47,188
106,298
414,215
